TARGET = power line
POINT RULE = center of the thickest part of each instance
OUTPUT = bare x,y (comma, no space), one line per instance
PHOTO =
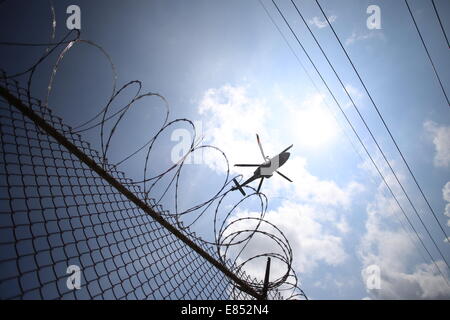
384,124
371,134
288,44
413,240
440,23
311,79
358,137
428,53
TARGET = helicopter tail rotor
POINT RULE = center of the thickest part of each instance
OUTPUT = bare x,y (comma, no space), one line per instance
238,187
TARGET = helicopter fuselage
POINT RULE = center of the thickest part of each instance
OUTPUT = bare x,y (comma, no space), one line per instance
264,170
267,169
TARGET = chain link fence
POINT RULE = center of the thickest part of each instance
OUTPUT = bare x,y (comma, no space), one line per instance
57,213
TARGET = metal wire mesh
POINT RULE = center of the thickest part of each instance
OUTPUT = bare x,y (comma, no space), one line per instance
55,211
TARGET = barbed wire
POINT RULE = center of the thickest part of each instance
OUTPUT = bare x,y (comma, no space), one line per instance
233,235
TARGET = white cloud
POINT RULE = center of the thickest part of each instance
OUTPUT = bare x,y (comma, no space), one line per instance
310,189
303,225
314,125
396,251
392,250
441,140
230,121
343,225
446,192
356,95
424,282
332,280
321,23
446,196
355,37
314,218
354,92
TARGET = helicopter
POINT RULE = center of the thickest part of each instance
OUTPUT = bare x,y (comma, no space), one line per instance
264,170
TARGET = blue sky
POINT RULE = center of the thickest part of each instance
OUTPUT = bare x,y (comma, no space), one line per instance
224,64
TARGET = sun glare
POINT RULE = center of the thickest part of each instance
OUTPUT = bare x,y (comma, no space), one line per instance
314,126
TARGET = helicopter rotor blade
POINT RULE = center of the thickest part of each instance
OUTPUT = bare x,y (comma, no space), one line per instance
246,165
284,176
260,184
287,148
260,147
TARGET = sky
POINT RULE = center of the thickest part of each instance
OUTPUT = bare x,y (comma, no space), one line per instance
225,66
